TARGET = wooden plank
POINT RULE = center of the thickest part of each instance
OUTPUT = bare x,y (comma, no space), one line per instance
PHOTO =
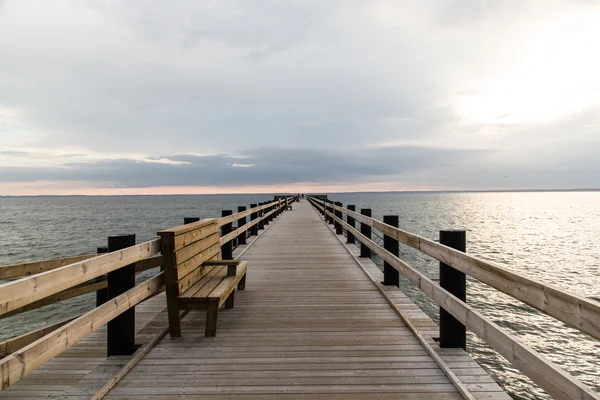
10,346
22,362
149,263
540,369
234,217
234,234
187,238
36,267
181,229
189,251
192,264
229,284
213,280
19,293
201,282
60,296
574,310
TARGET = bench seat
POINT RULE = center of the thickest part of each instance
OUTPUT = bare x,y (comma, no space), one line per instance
215,286
196,278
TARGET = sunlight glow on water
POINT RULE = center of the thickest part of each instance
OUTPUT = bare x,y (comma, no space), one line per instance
548,236
552,237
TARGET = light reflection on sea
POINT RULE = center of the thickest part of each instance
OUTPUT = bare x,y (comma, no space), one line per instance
548,236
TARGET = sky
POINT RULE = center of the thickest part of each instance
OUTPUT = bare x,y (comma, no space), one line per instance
233,96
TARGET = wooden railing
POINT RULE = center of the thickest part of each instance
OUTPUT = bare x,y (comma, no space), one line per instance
576,311
47,282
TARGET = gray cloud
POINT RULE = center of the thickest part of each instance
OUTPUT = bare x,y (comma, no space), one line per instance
256,167
354,86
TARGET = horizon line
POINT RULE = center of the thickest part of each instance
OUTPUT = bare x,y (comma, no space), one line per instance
314,193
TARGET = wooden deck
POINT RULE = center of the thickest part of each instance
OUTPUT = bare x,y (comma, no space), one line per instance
311,324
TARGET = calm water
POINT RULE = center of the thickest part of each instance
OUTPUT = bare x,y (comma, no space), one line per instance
549,236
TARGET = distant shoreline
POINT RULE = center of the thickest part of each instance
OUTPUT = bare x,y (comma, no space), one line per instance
331,193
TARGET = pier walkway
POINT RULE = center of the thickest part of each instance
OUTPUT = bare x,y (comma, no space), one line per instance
314,322
310,324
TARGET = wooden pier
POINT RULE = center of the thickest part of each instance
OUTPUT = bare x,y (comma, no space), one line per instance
314,322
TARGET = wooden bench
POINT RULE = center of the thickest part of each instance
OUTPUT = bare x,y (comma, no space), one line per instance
196,278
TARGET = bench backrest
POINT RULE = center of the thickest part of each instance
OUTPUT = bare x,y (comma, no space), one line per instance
185,248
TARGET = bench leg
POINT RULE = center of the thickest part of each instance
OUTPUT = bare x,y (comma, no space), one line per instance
242,284
174,320
212,317
230,300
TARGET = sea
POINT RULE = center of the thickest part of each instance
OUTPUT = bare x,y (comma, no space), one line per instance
553,237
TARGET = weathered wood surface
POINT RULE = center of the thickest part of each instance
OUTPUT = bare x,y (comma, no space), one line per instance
36,267
84,365
553,379
83,371
310,324
577,311
19,293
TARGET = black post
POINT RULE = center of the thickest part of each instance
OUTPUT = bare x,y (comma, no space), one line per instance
189,220
366,231
101,295
261,223
241,222
338,213
329,217
350,221
391,276
121,330
265,212
226,248
453,334
253,216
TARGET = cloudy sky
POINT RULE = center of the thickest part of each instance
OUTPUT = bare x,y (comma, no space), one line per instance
325,95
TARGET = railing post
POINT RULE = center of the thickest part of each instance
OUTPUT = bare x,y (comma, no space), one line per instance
338,213
226,248
189,220
329,217
241,222
120,337
253,216
366,231
391,276
350,221
101,295
261,223
453,334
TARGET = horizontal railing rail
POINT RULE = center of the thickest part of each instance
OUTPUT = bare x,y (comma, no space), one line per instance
234,217
556,381
27,359
576,311
92,285
19,293
233,234
37,267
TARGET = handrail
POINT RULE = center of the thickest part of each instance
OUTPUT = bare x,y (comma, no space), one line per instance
19,293
27,359
576,311
88,287
232,235
234,217
36,267
541,370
